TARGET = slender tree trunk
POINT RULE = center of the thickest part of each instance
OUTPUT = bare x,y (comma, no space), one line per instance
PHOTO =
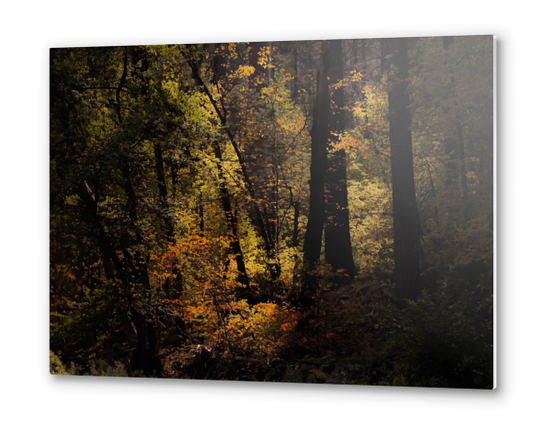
446,43
405,210
110,258
147,332
295,241
262,222
231,219
201,216
338,247
162,190
433,192
295,93
461,148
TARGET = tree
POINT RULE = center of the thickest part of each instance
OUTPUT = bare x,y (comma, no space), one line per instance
338,247
406,222
447,84
319,137
109,155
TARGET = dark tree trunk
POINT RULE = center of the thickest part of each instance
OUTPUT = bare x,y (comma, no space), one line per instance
317,210
162,190
110,258
338,247
319,136
295,241
147,332
405,210
231,220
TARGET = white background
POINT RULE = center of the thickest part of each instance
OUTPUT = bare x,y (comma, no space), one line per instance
29,29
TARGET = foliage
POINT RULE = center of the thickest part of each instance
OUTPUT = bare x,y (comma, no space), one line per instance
55,365
180,193
446,343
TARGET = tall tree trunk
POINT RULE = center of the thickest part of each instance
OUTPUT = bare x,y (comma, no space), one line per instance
433,192
405,209
295,241
319,135
461,148
295,91
338,247
446,43
317,210
147,331
231,219
162,190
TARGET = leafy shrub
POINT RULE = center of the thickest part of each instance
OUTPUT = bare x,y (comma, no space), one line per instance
444,342
55,365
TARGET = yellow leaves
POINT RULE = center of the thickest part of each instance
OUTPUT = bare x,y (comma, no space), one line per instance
244,71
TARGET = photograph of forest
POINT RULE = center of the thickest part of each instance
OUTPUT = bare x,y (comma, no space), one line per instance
294,211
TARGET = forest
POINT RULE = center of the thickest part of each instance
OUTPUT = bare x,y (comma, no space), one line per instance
312,211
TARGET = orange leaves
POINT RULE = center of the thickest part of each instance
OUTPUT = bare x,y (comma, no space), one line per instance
209,300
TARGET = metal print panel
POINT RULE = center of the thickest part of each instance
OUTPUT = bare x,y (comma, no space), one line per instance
305,211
